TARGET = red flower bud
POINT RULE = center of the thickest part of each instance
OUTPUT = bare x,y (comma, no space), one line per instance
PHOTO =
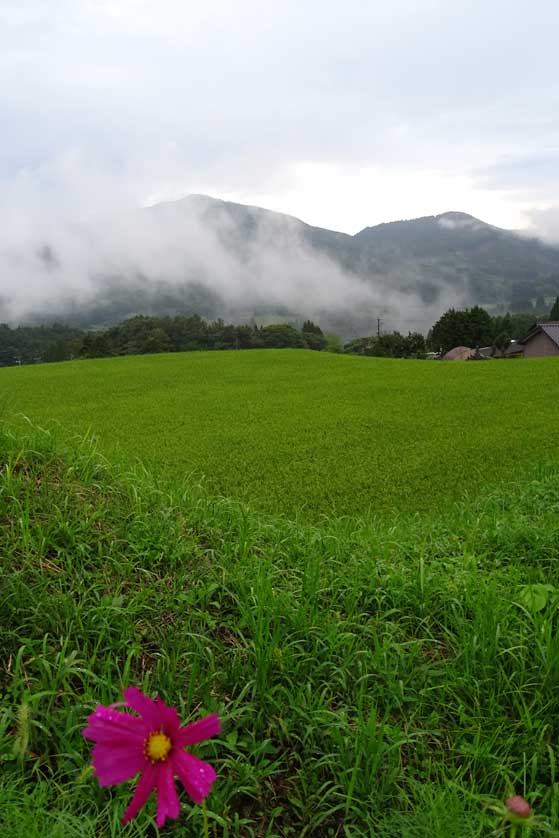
518,806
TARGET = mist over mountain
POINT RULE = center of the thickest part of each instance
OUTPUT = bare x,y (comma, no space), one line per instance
241,263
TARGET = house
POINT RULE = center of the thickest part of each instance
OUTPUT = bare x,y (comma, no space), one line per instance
513,350
543,340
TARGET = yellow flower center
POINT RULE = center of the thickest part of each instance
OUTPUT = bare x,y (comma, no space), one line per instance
157,747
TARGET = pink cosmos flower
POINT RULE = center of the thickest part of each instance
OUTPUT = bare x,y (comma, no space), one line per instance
152,742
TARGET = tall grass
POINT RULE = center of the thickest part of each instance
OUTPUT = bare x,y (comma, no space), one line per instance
371,680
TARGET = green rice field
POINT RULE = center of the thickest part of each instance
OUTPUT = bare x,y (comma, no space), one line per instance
306,433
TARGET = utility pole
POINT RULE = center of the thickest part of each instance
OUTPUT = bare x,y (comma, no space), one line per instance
379,321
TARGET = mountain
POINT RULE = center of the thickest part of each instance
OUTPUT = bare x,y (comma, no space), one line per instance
498,266
222,259
482,263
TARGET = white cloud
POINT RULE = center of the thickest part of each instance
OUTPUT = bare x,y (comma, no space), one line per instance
544,223
342,198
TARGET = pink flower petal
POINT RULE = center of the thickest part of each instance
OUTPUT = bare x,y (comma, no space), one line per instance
169,718
196,776
109,725
167,798
146,785
145,706
198,731
114,765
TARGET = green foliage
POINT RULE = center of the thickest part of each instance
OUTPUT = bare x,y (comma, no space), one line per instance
31,344
501,341
333,343
471,327
305,433
388,345
537,596
313,336
141,335
311,328
554,313
515,326
279,336
372,679
475,327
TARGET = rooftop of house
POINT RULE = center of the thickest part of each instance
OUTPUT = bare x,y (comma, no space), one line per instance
514,348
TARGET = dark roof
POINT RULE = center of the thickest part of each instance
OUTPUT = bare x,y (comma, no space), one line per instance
548,327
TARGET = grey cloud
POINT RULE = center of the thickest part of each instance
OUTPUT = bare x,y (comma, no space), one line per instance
536,174
301,79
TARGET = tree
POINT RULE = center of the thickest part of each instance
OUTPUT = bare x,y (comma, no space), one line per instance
155,341
470,327
554,313
245,337
360,346
414,345
60,350
280,335
333,343
479,325
521,324
388,345
501,342
188,333
313,336
450,330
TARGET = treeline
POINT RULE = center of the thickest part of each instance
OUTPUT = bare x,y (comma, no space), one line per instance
33,344
389,345
476,327
142,335
145,335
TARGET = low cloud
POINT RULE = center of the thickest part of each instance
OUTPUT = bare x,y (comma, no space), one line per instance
544,223
194,254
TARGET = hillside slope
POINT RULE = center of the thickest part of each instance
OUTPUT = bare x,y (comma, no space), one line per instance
390,682
221,259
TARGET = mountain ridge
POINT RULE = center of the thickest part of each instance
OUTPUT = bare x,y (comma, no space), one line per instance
243,263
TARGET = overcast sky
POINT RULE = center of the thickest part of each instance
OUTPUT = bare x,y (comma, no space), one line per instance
344,114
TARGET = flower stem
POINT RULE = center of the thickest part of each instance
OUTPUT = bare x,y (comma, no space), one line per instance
205,816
